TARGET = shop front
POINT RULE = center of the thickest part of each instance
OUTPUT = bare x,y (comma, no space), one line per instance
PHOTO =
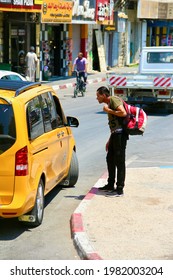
20,30
17,37
159,33
158,15
51,45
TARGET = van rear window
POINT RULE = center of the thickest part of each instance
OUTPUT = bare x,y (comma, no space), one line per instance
7,127
160,57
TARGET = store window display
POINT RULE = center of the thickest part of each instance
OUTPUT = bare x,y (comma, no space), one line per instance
48,51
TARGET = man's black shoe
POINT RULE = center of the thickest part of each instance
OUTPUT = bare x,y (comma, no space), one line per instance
106,188
115,193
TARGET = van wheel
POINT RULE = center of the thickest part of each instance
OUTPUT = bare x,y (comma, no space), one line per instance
38,210
73,173
35,216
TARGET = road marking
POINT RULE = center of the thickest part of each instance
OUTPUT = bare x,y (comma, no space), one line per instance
158,162
131,159
166,166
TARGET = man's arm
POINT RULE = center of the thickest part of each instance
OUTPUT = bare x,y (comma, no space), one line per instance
86,64
119,112
35,58
73,67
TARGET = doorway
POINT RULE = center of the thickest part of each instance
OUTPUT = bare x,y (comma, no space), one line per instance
52,52
18,48
20,44
96,65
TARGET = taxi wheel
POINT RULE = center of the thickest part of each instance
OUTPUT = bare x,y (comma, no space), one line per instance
73,171
38,209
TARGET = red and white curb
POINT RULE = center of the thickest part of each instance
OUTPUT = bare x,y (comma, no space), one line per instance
80,237
69,85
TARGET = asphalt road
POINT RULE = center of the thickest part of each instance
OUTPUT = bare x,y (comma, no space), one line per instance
52,240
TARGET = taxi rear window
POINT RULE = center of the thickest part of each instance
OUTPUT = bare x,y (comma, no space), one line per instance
7,127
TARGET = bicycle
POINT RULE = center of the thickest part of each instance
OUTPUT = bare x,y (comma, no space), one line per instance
80,86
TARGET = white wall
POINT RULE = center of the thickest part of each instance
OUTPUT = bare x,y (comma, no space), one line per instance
144,33
76,40
115,51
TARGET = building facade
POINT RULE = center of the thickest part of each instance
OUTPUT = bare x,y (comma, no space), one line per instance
109,32
58,29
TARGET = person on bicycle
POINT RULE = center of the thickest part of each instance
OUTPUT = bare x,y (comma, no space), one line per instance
80,63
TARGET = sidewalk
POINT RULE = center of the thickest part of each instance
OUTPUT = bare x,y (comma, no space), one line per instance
137,226
59,83
68,82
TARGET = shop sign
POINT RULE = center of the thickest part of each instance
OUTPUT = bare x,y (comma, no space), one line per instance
121,25
162,10
23,2
120,21
56,11
110,28
155,9
170,11
20,5
83,11
104,12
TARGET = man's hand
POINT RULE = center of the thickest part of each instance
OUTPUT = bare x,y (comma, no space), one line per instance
106,108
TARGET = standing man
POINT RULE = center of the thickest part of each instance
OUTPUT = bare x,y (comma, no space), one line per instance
80,63
31,63
116,145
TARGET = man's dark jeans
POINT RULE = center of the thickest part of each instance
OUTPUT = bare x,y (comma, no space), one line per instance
83,75
116,159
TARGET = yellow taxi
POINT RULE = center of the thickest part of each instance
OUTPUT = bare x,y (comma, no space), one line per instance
37,149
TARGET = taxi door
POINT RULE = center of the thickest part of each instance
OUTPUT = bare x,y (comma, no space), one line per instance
58,146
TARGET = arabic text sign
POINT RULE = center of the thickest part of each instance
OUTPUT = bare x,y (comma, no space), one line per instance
56,11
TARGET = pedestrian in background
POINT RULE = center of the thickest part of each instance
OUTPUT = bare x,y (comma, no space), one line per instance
31,64
80,63
116,145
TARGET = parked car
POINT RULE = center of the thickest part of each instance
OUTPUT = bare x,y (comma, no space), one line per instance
12,76
36,152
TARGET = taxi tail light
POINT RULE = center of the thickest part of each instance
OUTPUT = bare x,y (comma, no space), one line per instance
21,162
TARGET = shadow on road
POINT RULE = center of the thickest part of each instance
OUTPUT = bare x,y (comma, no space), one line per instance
11,228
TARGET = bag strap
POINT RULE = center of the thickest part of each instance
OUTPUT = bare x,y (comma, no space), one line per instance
137,113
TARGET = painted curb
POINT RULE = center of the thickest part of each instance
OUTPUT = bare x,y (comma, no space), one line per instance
69,85
80,238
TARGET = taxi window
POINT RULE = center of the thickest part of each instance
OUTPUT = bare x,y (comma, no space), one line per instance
34,118
52,119
43,115
7,127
